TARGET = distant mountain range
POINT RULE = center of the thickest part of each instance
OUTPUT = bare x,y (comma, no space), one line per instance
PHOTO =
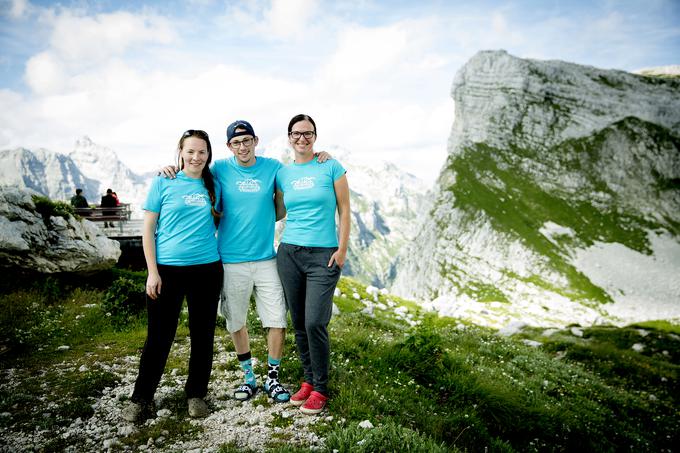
88,166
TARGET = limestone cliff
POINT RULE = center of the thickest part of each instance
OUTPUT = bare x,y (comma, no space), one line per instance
547,161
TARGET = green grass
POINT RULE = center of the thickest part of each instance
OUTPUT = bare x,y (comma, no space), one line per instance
432,387
472,390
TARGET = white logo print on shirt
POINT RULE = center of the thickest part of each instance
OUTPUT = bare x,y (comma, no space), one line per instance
248,185
304,183
195,199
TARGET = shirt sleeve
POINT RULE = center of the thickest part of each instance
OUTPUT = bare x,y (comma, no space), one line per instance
153,198
337,170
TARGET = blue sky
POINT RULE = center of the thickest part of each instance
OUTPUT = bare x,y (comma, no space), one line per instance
376,75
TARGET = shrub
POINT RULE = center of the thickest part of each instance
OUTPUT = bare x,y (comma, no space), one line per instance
124,300
48,208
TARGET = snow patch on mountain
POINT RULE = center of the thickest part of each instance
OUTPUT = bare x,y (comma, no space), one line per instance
642,286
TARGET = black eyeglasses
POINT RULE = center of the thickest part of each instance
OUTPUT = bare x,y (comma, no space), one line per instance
195,133
245,142
306,134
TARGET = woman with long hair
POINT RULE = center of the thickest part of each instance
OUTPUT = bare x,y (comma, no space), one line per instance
181,255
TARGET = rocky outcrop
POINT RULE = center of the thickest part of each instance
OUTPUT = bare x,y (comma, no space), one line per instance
51,244
550,162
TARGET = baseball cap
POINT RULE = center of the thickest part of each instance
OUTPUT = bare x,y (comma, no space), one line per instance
239,124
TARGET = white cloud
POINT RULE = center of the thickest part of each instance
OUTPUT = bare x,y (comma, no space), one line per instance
365,96
82,45
288,18
275,19
363,51
45,74
97,38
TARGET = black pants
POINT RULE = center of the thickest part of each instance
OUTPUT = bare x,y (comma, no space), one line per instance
201,284
309,284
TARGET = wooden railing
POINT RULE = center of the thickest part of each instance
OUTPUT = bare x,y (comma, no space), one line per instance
98,214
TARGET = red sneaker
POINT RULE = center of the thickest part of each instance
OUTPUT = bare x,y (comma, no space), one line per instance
301,395
314,404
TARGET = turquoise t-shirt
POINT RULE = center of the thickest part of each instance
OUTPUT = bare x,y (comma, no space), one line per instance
246,231
185,233
309,195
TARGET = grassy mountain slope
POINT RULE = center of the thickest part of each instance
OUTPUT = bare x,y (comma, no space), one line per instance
519,190
614,186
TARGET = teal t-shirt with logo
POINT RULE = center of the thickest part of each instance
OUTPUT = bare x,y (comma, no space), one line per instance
246,231
185,232
309,195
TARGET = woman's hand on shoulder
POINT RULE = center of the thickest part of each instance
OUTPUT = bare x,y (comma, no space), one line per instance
322,156
169,171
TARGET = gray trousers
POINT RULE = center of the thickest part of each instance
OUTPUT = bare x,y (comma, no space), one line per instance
308,284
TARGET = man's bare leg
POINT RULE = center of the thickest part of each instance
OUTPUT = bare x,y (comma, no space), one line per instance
275,342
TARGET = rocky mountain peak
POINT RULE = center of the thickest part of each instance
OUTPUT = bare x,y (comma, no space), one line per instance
551,162
502,100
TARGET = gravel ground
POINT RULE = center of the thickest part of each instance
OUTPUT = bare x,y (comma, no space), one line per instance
244,425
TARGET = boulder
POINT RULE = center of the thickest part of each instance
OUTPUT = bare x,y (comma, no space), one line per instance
51,244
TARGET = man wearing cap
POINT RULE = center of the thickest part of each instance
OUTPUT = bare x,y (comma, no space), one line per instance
251,207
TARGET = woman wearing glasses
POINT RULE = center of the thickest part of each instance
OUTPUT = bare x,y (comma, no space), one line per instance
181,255
311,255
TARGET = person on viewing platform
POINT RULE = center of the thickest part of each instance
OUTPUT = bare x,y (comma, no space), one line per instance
180,248
108,201
79,200
246,247
311,254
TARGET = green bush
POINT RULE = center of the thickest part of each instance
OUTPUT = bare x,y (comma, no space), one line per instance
52,289
48,208
124,301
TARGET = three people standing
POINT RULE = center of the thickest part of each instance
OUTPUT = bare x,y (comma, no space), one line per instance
251,192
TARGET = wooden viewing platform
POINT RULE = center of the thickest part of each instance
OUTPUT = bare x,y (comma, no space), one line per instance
119,214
